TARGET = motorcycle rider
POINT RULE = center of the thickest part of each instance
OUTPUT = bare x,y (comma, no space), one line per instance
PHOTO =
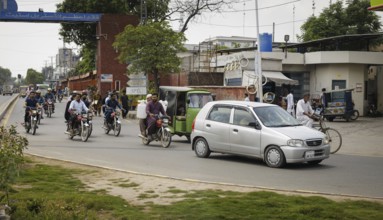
111,106
40,100
30,102
77,105
153,108
51,96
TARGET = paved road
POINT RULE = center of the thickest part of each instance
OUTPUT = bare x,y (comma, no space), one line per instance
341,174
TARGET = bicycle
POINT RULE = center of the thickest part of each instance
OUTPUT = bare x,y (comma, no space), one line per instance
334,137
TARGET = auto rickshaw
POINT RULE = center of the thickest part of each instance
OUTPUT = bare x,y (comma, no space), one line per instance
182,106
23,91
339,103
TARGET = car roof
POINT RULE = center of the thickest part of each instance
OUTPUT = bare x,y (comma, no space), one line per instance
241,103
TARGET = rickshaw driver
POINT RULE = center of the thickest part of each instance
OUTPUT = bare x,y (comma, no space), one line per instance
305,112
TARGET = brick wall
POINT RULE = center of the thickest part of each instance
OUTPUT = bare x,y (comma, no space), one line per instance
109,26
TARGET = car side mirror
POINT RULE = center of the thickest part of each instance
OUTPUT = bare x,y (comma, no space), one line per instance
255,125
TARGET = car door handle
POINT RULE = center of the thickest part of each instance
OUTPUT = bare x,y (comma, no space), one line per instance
208,125
235,130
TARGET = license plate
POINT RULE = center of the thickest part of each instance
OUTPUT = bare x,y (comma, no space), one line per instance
310,154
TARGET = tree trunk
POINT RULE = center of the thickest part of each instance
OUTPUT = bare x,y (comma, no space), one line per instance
156,76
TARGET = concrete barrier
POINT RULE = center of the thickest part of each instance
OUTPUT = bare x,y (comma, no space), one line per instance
5,107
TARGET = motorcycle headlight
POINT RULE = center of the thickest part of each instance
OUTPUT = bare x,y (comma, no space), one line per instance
295,143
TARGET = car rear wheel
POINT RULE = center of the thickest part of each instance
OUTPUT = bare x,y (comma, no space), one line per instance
201,148
274,157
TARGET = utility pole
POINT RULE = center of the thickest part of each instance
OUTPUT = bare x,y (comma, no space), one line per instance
258,68
294,23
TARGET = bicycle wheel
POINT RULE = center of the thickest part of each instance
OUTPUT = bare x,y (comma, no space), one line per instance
335,139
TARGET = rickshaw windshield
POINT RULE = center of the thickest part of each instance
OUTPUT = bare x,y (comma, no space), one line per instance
199,100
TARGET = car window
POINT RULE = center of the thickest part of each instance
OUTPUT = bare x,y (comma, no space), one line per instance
275,116
243,117
220,114
199,100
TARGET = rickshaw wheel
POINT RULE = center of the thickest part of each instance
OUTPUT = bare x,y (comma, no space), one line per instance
354,115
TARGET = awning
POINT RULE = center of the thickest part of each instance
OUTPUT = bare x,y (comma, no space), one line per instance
279,78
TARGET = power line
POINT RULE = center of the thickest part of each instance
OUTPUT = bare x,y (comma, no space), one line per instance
267,7
251,26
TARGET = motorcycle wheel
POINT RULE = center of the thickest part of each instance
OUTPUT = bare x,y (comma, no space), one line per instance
39,119
49,114
34,126
117,129
84,133
90,129
166,138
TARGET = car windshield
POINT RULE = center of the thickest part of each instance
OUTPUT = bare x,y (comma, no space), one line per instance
199,100
275,116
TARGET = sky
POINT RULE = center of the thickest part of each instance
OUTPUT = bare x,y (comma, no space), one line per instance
35,45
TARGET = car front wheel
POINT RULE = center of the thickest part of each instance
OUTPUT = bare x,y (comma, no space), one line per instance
201,148
274,157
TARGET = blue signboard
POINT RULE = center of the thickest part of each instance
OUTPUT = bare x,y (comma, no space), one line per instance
50,17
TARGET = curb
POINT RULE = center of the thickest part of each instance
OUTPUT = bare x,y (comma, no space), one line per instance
4,110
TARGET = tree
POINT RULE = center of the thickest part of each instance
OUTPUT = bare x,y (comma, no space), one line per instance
5,75
336,20
150,48
34,77
191,9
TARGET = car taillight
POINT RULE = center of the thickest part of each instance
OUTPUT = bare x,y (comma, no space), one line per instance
193,125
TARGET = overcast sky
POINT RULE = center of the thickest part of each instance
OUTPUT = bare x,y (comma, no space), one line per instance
34,45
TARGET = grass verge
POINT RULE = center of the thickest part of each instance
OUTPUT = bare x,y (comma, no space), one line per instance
53,192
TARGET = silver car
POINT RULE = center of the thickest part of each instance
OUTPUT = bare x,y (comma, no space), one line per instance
256,129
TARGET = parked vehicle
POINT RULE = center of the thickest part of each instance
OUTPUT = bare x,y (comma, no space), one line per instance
183,104
161,134
80,126
31,124
114,124
261,130
339,103
7,90
23,91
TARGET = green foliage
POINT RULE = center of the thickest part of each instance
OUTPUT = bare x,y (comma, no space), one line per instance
34,77
52,192
336,20
12,146
5,75
87,63
150,48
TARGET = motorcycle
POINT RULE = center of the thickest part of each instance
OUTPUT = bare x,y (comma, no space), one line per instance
60,98
113,124
38,115
49,108
80,126
162,132
89,118
31,123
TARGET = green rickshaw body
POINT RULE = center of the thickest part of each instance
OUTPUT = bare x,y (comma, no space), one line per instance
183,105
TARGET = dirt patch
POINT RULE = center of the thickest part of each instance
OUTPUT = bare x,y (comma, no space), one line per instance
139,189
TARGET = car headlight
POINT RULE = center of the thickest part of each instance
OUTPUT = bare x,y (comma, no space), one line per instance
295,143
326,140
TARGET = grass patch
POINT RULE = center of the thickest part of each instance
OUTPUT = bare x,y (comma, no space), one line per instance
128,185
54,193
